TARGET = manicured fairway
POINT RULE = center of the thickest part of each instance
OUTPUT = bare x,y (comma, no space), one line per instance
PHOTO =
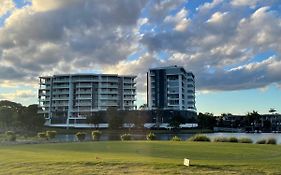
140,157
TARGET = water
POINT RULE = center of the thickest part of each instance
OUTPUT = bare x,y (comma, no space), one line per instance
104,137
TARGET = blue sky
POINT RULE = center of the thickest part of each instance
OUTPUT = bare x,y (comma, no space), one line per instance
232,46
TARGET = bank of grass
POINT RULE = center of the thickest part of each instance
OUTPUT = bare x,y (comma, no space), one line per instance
140,157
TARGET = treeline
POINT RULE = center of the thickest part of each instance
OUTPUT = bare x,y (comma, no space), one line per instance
16,117
249,122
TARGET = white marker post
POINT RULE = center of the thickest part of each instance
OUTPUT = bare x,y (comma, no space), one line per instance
186,162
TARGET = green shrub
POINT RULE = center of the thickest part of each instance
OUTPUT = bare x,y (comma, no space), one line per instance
221,139
262,141
150,136
10,136
80,136
126,137
233,139
96,135
42,135
245,140
271,141
199,138
51,134
176,138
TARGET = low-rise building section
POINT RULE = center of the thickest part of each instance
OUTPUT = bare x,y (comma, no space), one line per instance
75,96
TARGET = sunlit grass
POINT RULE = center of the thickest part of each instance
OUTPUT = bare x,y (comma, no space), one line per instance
140,157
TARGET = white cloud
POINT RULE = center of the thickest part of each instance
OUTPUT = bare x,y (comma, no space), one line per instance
6,6
18,94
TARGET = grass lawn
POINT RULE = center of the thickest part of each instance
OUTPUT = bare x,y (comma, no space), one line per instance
140,157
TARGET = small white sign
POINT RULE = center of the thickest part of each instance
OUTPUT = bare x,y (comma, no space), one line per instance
186,162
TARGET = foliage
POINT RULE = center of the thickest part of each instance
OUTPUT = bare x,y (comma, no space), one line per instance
199,138
175,121
96,135
233,139
126,137
51,134
206,121
262,141
221,139
150,136
176,138
10,136
245,140
94,118
114,121
42,135
271,141
81,136
17,117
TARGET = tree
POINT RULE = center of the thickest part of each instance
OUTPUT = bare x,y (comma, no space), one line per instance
272,110
175,121
206,120
30,119
95,119
114,121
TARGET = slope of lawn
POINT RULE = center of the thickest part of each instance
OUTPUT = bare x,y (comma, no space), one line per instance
140,157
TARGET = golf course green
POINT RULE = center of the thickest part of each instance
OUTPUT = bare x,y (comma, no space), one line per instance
140,157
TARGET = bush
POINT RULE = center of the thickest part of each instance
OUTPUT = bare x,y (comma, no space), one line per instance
233,139
262,141
271,141
126,137
245,140
150,136
51,134
42,135
10,136
200,138
96,135
221,139
80,136
176,138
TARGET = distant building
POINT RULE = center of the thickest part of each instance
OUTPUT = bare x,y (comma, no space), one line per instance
74,96
171,88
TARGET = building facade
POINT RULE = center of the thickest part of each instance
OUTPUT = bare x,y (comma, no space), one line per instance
74,96
171,88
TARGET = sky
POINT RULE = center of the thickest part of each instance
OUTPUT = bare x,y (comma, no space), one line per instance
232,46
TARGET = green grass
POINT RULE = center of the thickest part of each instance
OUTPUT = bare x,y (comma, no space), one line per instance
140,157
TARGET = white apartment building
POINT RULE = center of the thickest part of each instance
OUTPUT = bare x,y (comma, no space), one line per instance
74,96
170,88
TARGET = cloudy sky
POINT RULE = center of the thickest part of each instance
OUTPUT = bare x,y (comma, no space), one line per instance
232,46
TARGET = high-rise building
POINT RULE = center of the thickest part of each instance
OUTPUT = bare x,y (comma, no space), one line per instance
74,96
170,88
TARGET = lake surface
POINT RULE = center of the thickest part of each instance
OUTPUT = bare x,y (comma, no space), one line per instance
104,137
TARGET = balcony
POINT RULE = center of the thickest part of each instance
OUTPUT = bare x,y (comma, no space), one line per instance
84,97
129,98
83,104
60,104
109,86
60,80
84,85
60,86
129,87
83,92
103,97
108,92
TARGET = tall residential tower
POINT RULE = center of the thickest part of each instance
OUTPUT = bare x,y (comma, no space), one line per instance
170,88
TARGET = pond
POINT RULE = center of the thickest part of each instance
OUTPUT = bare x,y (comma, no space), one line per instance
164,136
